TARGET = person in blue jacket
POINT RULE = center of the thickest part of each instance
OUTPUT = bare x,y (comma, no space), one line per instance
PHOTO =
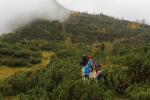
86,72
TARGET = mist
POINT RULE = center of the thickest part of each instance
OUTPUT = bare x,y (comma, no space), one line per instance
17,13
128,9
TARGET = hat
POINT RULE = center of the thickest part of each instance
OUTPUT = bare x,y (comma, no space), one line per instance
90,57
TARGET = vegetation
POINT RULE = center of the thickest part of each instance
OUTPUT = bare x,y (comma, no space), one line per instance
121,46
139,91
16,55
6,71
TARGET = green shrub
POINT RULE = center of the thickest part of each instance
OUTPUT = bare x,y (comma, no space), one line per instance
64,53
16,84
17,54
35,60
63,91
116,60
17,62
139,91
138,67
5,51
117,78
80,90
13,62
35,94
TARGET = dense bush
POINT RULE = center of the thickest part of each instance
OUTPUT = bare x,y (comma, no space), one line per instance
5,51
80,90
64,53
71,90
138,67
116,60
35,60
18,83
35,94
117,78
15,62
14,56
139,91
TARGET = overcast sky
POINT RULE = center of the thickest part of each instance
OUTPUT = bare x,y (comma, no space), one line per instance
129,9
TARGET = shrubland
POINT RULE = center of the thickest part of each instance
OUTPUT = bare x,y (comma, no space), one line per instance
122,47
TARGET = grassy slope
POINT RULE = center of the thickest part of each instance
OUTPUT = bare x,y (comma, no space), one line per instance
5,72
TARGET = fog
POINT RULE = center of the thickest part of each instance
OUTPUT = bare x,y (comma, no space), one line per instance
16,13
127,9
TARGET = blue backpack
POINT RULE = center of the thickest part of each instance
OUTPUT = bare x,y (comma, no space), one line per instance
86,70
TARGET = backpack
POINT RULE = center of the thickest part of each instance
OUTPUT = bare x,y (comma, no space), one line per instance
86,70
97,65
100,75
90,65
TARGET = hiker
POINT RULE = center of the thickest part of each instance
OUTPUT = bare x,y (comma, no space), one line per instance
99,72
83,63
98,66
90,63
86,72
84,60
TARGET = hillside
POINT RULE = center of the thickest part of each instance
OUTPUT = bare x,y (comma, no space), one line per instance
122,47
82,27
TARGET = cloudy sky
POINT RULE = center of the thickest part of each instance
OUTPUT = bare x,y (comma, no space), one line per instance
128,9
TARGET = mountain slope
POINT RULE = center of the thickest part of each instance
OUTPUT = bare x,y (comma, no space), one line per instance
122,47
81,27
